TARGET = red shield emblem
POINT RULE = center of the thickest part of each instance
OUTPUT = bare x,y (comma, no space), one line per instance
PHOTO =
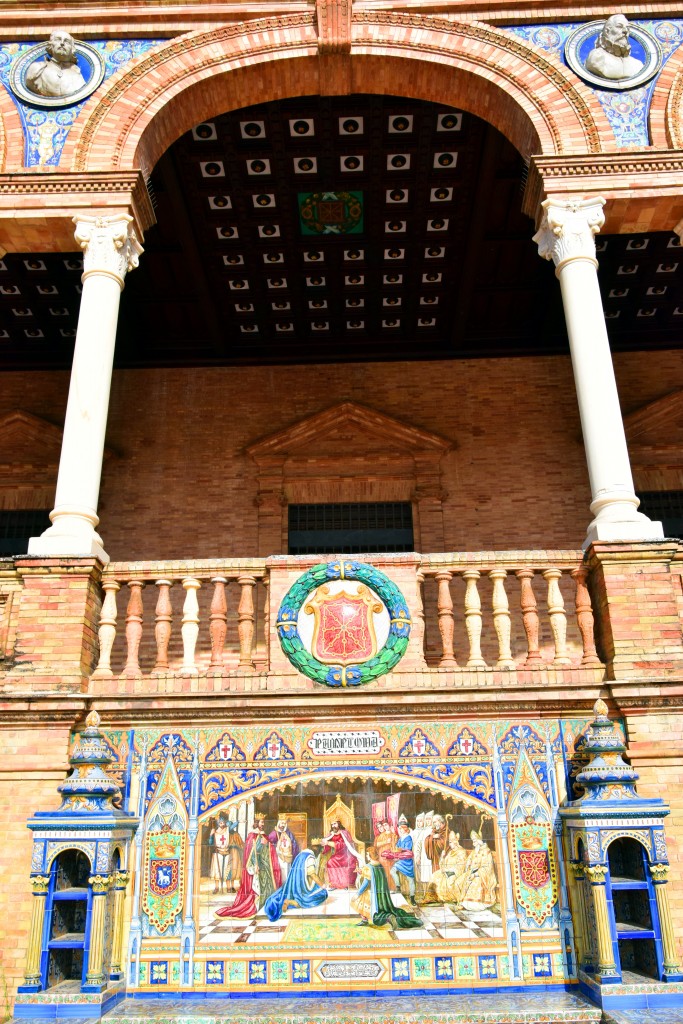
534,868
163,876
344,632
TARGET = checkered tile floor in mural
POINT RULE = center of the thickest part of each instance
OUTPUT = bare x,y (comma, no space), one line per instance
440,922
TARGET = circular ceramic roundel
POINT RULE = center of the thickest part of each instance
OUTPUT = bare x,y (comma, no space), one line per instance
344,623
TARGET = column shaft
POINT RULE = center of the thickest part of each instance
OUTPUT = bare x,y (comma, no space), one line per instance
35,939
566,236
110,249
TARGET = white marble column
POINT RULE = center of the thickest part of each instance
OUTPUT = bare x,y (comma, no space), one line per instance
110,249
567,237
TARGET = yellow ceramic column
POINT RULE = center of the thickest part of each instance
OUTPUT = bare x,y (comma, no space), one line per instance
120,882
96,974
659,874
581,936
40,885
596,875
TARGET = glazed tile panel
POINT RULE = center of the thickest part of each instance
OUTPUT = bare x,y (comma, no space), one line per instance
365,859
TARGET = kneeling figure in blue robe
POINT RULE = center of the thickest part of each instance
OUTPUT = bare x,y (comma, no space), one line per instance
301,889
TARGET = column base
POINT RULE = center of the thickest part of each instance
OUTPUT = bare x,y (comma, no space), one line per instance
627,531
67,546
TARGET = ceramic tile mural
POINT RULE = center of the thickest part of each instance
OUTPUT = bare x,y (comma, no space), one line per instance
45,130
626,109
319,858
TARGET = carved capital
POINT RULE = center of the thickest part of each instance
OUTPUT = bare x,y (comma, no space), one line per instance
660,873
578,869
110,245
121,879
39,884
100,884
568,229
596,873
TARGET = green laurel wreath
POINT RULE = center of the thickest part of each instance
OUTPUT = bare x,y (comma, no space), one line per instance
339,675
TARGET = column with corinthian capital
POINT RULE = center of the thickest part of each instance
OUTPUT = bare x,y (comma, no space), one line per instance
110,249
567,237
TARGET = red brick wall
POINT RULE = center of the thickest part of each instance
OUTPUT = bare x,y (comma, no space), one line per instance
181,485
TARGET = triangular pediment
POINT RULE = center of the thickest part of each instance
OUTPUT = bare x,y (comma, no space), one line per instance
351,430
655,431
25,438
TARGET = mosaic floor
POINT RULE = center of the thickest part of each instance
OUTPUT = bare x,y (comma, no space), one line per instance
334,921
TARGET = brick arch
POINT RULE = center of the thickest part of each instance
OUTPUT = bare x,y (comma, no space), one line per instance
533,101
11,135
666,108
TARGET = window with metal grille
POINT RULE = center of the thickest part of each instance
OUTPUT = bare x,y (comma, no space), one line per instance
665,507
350,528
18,525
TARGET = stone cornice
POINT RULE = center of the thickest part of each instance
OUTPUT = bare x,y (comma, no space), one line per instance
28,195
628,180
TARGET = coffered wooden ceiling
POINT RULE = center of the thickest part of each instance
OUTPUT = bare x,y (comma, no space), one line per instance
339,228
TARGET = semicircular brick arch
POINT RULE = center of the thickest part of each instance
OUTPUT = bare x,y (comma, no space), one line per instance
11,135
666,109
533,101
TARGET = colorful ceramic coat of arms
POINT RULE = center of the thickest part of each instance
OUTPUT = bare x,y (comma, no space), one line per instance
164,859
331,213
534,869
343,649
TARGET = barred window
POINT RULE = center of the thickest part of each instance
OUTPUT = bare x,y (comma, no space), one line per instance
353,528
665,507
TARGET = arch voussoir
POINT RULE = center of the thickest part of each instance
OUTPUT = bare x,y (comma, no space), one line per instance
532,100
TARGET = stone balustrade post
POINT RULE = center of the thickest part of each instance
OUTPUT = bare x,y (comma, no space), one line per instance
107,629
218,621
110,249
567,237
162,627
473,621
446,621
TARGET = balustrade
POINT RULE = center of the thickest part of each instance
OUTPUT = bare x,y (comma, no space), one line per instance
490,611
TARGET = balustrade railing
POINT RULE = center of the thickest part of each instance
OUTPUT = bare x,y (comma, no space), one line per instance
502,611
207,616
549,624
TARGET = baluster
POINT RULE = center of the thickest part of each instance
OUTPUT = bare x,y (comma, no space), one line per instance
501,619
266,621
245,621
584,615
190,626
446,622
527,602
558,619
473,619
133,628
218,621
419,615
162,629
107,629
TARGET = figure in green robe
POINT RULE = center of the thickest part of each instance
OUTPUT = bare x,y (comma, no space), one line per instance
373,901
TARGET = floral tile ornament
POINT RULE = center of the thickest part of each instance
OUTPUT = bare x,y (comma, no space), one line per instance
279,970
237,971
143,974
505,966
422,968
543,967
175,972
197,974
301,972
526,965
488,967
443,966
258,974
215,972
465,966
400,969
158,974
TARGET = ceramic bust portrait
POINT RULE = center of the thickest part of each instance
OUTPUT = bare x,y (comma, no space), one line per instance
57,74
611,57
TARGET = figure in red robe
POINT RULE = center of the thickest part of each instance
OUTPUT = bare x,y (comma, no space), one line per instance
342,866
260,874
